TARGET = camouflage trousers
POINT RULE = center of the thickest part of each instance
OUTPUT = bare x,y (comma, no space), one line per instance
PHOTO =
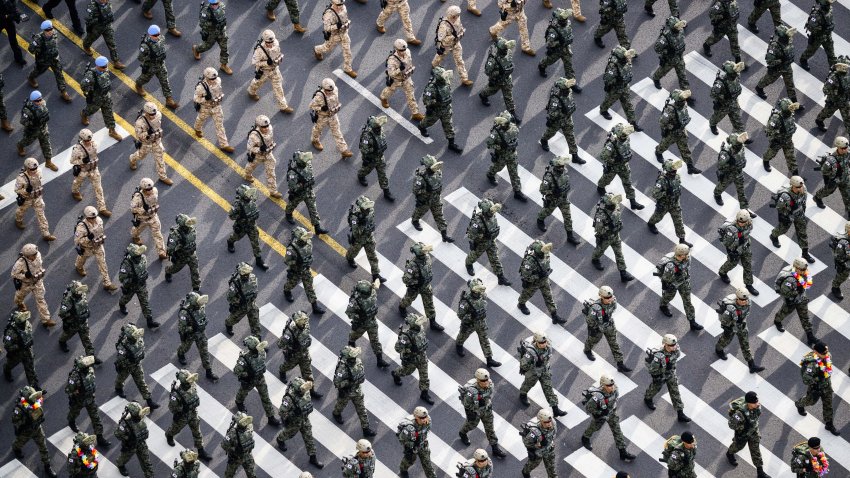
624,96
615,243
674,6
335,39
293,277
181,420
407,86
211,38
566,128
140,291
743,340
680,139
522,24
842,272
727,108
43,137
25,358
534,459
217,115
745,258
85,337
409,456
829,187
607,23
410,364
739,441
481,329
170,19
151,222
476,249
332,122
613,421
247,230
499,162
594,335
434,205
301,360
828,110
156,150
532,377
75,406
356,398
308,197
724,30
507,89
136,371
684,289
269,163
799,223
37,291
140,449
367,243
191,260
787,148
249,310
262,389
37,435
37,206
4,115
97,30
802,309
457,55
672,383
234,461
609,170
379,166
822,392
427,294
563,205
371,328
787,75
291,7
100,255
276,79
485,417
673,63
200,340
55,67
564,54
96,184
104,105
530,287
723,181
161,73
675,210
403,9
761,7
444,115
295,425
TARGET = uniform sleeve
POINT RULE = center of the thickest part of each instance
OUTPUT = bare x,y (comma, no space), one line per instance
200,93
254,142
21,185
393,67
258,58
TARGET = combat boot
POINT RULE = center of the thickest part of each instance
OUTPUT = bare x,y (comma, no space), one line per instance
73,426
694,170
721,354
170,440
808,257
695,326
175,32
118,65
315,462
168,277
820,203
810,338
760,473
590,356
368,432
7,374
625,455
170,103
229,330
388,195
426,397
523,308
181,358
836,292
6,126
211,375
338,418
605,114
730,457
117,137
435,326
558,412
423,131
541,224
274,421
49,165
752,290
831,428
634,204
766,166
585,442
287,294
152,404
523,399
760,92
103,442
298,28
474,11
470,269
319,229
544,144
120,392
454,147
152,324
622,368
379,277
123,309
652,228
260,263
665,309
572,239
459,350
683,241
497,451
203,455
382,362
597,264
63,346
680,416
447,239
518,195
484,100
491,362
318,309
649,404
123,470
281,443
84,119
557,319
819,122
21,151
753,367
503,280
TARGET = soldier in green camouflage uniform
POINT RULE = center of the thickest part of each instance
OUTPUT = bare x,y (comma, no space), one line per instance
733,311
482,232
213,23
183,404
735,237
291,8
301,184
559,116
133,275
130,351
295,342
724,93
607,224
97,86
780,130
502,143
412,346
99,19
373,144
74,312
361,464
835,167
818,381
83,457
417,277
480,466
680,455
499,67
187,465
34,118
615,156
181,249
437,98
599,315
362,311
244,212
724,15
661,365
744,415
612,17
348,380
361,223
298,259
472,312
170,19
133,433
760,7
617,79
820,26
559,37
600,402
555,189
805,456
836,89
249,369
539,436
81,388
27,419
534,356
17,340
731,162
192,326
152,58
241,299
779,58
476,396
295,409
534,271
674,271
4,115
792,283
238,444
45,47
790,205
670,47
674,120
667,193
412,433
427,187
840,245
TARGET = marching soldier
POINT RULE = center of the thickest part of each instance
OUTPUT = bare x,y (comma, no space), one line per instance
88,239
816,370
559,116
80,389
362,463
183,404
674,7
535,270
373,144
733,312
744,415
192,326
607,224
661,365
555,189
241,299
335,25
820,26
680,455
291,8
513,11
148,128
836,89
213,23
260,146
417,277
779,58
99,20
208,98
362,311
790,204
266,59
616,154
130,351
534,356
559,37
599,315
97,87
389,7
612,17
667,193
187,465
249,369
83,457
5,125
29,188
780,130
758,11
170,19
835,167
412,433
674,118
450,30
480,466
133,275
670,47
617,79
295,343
244,212
735,237
674,272
482,232
323,112
539,436
427,188
295,409
437,98
27,420
472,312
399,73
476,396
238,444
808,460
412,346
84,166
17,340
28,278
45,47
840,245
301,183
791,283
348,380
144,205
152,59
133,434
731,162
502,143
724,93
34,118
499,67
181,249
601,403
298,259
724,16
361,224
74,312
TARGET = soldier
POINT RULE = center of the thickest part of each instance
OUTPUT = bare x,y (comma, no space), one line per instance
323,112
617,79
534,355
779,58
791,283
83,457
758,11
735,237
301,183
674,272
555,188
670,47
88,239
99,19
601,403
816,370
744,415
187,465
208,98
674,118
133,433
17,340
213,23
45,48
133,275
130,350
599,315
835,167
808,460
680,455
27,420
152,59
502,143
260,150
450,30
238,444
291,7
399,73
724,93
403,8
733,312
29,188
616,154
476,396
724,16
183,404
5,125
482,232
84,166
612,17
559,116
75,313
34,118
559,37
9,16
731,162
667,193
472,312
72,9
840,245
170,19
417,277
820,26
661,365
348,380
836,89
81,389
266,59
28,278
249,369
535,270
513,11
499,67
148,128
607,224
144,205
181,249
412,433
427,187
362,311
244,212
295,343
335,24
295,409
373,144
780,130
192,326
361,223
362,463
96,86
298,259
790,204
437,98
480,466
412,346
241,298
538,436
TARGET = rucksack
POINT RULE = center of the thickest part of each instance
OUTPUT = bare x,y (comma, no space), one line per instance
670,445
774,198
780,278
661,264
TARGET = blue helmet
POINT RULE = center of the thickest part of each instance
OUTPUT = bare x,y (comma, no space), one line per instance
35,95
153,30
46,25
101,61
213,2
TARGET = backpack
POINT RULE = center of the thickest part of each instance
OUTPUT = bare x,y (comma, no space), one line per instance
80,220
721,231
661,264
835,240
524,430
774,198
491,64
661,47
780,278
670,445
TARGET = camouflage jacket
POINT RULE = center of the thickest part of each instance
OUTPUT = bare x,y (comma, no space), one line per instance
372,144
616,151
34,117
609,9
599,316
242,290
152,52
129,353
81,385
558,37
674,118
133,273
213,19
801,460
836,88
181,243
835,168
99,14
17,339
299,179
724,14
418,271
820,22
735,238
362,310
667,189
183,401
476,399
533,269
482,227
840,245
130,432
532,358
726,89
295,405
427,184
560,107
731,161
192,321
743,420
554,187
437,97
539,439
779,54
44,48
412,435
789,288
411,345
299,256
361,224
358,467
681,460
780,127
471,310
349,378
244,213
673,271
74,310
96,84
599,404
662,364
790,204
617,76
294,340
503,141
250,366
811,372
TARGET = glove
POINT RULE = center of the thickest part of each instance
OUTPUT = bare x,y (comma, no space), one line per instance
544,441
482,402
263,148
28,275
667,286
258,74
197,107
90,236
29,188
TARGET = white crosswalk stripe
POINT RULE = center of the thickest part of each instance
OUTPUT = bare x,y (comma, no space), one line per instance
589,465
831,314
64,441
16,469
797,18
651,442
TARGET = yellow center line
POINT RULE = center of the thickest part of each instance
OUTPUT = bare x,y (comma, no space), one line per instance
189,130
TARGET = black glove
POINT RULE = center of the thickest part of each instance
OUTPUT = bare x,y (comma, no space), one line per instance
197,107
28,275
90,236
263,148
29,188
258,74
482,402
667,286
